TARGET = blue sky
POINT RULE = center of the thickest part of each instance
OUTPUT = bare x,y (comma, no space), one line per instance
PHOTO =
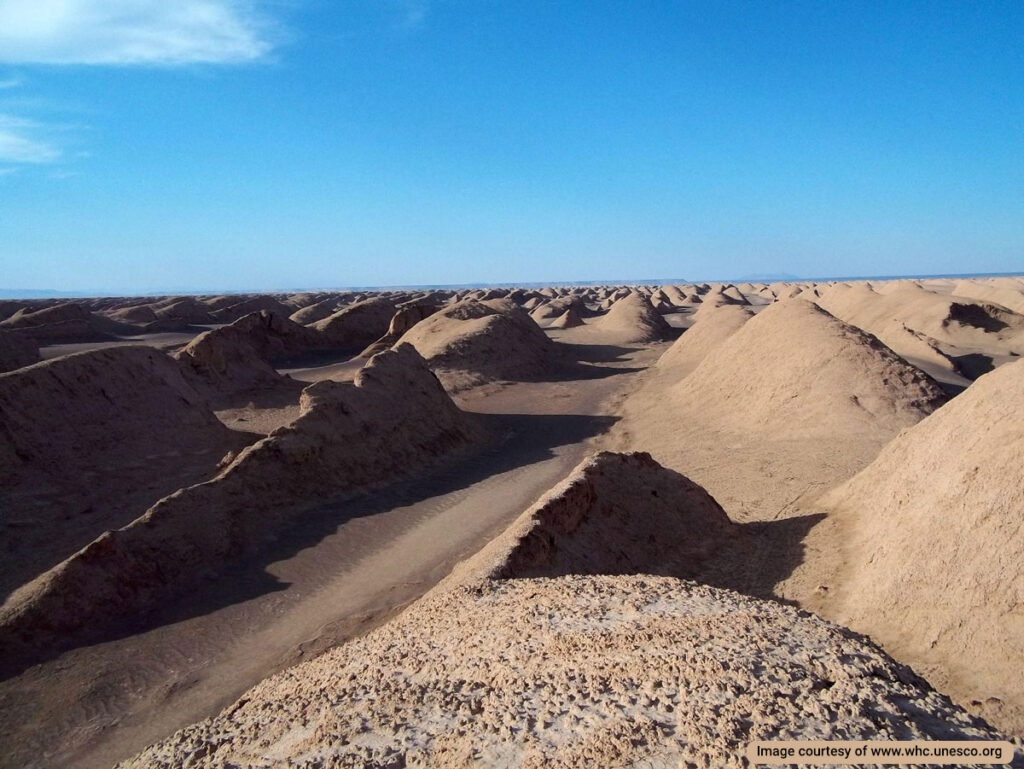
232,144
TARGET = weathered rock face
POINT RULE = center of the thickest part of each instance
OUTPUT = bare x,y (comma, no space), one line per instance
68,410
936,546
356,326
474,342
92,438
395,419
238,357
17,351
498,668
615,514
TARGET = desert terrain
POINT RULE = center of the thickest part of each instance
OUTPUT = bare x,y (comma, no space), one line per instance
634,525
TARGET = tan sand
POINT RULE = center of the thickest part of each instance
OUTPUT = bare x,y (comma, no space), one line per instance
329,524
631,320
762,422
357,325
711,328
472,343
91,440
496,668
394,419
936,544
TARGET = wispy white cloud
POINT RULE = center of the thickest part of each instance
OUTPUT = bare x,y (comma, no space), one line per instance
414,13
20,142
8,83
139,32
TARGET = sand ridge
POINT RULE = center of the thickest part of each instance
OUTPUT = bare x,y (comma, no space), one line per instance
394,418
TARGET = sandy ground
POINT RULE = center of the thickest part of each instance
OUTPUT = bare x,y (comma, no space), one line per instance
342,572
766,421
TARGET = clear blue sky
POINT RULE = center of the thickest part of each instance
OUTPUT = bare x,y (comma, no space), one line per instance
219,144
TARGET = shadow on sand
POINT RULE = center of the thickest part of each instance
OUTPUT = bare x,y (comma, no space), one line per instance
519,440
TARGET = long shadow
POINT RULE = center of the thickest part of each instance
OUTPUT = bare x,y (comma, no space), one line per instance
520,440
595,353
286,392
750,558
763,554
973,365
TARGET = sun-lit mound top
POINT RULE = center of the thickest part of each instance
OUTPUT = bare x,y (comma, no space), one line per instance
860,302
395,419
571,318
357,325
249,305
721,294
28,317
938,541
949,320
796,370
556,307
1008,292
238,357
632,319
573,671
59,323
135,313
314,312
17,350
184,308
712,327
473,342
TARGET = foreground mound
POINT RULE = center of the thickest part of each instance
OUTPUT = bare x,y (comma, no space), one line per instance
631,320
394,419
615,514
16,351
937,546
90,438
473,342
497,667
712,327
573,671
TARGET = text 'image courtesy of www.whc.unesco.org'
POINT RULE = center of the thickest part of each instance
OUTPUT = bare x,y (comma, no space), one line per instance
881,752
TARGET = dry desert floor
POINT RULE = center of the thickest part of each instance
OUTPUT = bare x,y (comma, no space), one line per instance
570,526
